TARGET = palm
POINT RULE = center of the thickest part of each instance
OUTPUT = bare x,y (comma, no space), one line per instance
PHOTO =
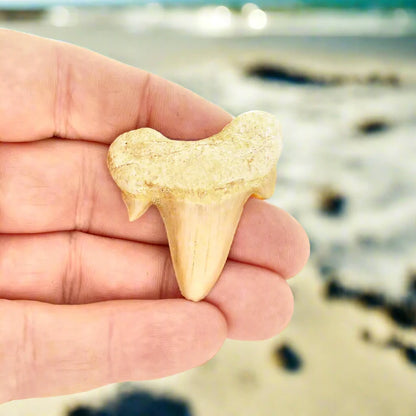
66,239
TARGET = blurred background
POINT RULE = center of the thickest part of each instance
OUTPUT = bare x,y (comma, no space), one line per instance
340,75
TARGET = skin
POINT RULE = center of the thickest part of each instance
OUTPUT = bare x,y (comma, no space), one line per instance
86,297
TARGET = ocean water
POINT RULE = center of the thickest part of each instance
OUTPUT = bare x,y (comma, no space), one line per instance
266,4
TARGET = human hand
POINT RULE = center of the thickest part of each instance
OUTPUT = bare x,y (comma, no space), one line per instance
88,298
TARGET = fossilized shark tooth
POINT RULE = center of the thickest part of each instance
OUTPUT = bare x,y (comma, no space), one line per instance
200,188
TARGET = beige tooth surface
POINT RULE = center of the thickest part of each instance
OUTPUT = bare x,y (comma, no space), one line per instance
200,237
136,207
200,188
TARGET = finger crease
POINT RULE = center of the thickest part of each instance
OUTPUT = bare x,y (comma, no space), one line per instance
84,201
26,355
167,276
110,347
62,94
144,117
72,280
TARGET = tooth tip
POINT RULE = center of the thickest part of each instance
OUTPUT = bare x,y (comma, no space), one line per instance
136,207
195,295
193,298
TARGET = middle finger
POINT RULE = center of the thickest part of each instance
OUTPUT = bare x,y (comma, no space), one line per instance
78,268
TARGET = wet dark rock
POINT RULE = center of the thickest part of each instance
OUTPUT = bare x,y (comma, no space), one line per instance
133,402
288,358
332,203
82,411
137,404
403,313
373,126
168,407
408,351
270,72
335,290
281,73
410,354
371,299
411,285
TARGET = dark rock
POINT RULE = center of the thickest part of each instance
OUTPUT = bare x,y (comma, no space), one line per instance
372,126
82,411
411,285
403,313
332,203
335,290
270,72
281,73
410,354
169,407
137,403
371,299
288,358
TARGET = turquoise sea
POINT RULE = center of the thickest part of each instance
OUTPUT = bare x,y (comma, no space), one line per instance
265,4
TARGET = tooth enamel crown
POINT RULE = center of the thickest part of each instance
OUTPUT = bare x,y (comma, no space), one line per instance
199,187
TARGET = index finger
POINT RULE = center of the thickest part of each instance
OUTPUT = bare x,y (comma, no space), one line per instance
54,89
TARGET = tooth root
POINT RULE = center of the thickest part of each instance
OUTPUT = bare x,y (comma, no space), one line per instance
135,206
200,237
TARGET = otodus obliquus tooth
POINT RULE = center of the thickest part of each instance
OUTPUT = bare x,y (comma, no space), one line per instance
200,188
